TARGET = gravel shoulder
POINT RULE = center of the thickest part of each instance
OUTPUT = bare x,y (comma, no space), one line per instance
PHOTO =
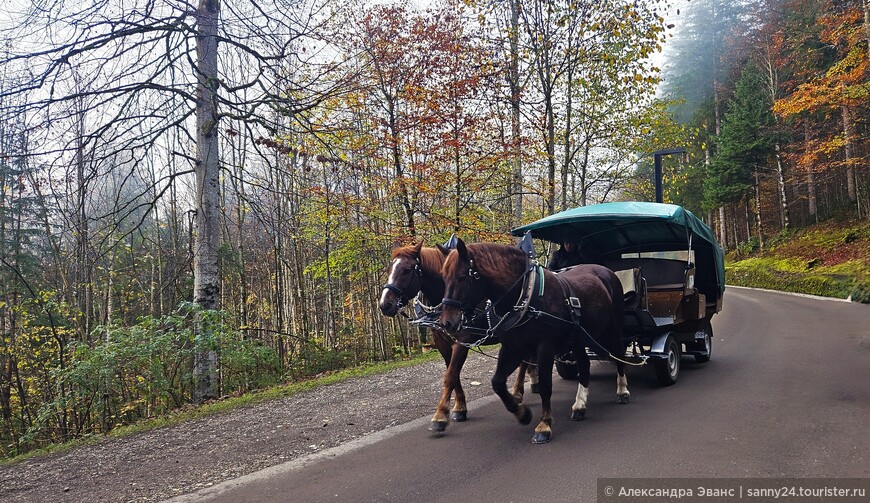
167,462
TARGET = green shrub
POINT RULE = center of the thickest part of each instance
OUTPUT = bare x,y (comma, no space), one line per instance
795,275
145,370
861,292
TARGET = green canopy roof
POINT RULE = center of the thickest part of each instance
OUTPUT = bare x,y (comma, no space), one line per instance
611,229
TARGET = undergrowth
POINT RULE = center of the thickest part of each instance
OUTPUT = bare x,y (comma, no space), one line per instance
831,260
190,411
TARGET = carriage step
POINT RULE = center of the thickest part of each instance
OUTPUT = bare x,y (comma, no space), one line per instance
663,320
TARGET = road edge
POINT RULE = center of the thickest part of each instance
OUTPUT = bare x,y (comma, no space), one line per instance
216,490
792,294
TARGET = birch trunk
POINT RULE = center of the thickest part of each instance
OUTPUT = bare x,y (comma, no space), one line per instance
205,259
772,86
758,222
850,169
811,182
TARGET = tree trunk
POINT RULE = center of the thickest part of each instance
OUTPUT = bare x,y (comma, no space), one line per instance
550,141
867,23
717,123
811,183
205,259
109,300
758,223
772,87
397,166
748,221
514,80
584,175
850,169
566,162
329,312
84,279
780,178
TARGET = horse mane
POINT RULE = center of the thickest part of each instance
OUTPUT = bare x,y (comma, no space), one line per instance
431,258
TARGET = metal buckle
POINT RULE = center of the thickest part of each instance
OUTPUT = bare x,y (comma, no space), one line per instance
573,302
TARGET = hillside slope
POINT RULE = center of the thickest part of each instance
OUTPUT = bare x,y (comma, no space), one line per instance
831,259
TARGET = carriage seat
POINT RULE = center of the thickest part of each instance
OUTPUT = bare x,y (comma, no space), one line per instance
661,275
633,287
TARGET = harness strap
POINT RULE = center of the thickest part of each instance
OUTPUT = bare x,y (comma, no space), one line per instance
532,278
576,321
393,288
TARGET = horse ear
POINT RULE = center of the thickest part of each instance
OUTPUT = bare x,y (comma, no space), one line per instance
418,248
443,250
461,249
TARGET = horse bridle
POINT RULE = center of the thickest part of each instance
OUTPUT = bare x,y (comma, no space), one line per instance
447,301
402,292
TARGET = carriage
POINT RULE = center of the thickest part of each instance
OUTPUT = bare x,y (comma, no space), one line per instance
671,269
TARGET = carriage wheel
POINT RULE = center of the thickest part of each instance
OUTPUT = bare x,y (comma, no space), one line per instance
668,368
568,370
707,345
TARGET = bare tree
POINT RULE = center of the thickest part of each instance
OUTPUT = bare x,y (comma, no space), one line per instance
156,69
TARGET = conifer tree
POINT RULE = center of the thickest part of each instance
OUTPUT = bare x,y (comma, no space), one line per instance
744,144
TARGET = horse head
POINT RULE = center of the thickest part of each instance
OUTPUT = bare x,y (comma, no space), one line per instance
404,276
463,288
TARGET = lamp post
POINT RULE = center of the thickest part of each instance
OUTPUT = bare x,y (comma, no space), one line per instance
657,156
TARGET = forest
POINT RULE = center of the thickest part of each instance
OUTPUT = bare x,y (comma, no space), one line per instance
199,199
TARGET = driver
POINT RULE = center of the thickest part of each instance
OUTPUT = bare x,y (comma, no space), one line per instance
567,255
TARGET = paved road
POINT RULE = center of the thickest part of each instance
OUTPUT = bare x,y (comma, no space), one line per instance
787,394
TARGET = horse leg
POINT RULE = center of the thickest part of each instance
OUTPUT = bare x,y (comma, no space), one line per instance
578,409
451,356
543,431
519,384
533,377
508,361
460,408
622,393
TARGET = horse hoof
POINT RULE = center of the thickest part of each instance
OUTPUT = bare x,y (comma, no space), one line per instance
623,399
541,437
438,426
536,389
578,415
459,416
526,417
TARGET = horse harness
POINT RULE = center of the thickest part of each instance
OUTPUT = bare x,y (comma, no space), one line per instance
526,309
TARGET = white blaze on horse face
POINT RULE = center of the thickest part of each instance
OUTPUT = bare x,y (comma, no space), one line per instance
580,400
392,279
622,386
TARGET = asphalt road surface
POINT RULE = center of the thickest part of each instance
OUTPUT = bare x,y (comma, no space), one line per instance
786,394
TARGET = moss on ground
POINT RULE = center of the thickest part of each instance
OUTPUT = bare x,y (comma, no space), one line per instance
831,260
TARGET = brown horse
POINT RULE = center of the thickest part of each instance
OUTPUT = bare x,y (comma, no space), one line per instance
547,325
417,269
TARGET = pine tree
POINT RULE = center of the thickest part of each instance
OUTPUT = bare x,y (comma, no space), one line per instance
745,143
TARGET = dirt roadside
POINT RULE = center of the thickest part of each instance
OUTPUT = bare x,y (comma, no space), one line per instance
167,462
